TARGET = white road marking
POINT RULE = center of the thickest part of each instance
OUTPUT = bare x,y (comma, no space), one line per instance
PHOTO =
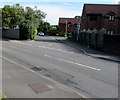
31,41
55,49
14,47
50,86
15,41
63,86
45,47
50,44
73,63
28,44
21,49
20,42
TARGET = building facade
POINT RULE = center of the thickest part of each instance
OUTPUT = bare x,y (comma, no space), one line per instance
98,16
68,24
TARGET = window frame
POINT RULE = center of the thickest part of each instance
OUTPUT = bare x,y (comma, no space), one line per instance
111,17
110,31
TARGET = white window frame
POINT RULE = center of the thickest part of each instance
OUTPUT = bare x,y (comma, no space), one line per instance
111,18
110,32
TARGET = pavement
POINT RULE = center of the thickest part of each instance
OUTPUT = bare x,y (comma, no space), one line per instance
90,51
20,82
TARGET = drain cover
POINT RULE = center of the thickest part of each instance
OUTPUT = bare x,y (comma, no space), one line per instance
39,88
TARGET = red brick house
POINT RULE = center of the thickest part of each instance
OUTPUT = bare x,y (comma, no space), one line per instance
68,24
98,16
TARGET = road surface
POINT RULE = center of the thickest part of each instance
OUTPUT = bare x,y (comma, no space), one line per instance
91,77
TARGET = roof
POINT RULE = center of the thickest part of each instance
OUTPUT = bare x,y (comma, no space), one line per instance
101,8
72,20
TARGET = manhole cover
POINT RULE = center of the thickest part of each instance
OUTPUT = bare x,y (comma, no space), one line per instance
39,88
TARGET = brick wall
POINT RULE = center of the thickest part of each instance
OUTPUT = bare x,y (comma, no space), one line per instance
99,41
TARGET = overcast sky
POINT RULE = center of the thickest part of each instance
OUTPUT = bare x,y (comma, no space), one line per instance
57,8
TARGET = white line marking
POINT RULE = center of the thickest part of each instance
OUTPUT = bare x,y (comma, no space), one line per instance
31,41
45,77
28,44
73,63
55,49
65,51
50,44
15,41
14,47
50,86
21,49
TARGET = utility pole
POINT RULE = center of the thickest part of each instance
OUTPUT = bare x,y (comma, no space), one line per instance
78,28
66,28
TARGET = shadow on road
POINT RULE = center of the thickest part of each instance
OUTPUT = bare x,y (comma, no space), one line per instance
47,40
61,43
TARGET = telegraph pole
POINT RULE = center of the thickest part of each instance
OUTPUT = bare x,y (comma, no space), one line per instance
66,28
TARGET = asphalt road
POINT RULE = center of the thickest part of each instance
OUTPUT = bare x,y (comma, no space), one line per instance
91,77
21,82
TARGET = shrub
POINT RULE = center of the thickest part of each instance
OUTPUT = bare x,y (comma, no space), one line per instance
25,29
62,33
34,33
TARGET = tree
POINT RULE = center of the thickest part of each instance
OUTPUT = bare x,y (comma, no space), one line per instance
77,16
12,15
53,30
44,26
6,16
25,29
35,17
28,19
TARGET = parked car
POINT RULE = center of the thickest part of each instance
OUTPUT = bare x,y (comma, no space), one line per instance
41,34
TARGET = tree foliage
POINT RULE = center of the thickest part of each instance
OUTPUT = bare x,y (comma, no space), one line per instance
27,18
44,27
12,15
25,29
77,16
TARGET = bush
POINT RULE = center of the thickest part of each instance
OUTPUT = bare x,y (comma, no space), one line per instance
53,29
25,29
62,33
34,33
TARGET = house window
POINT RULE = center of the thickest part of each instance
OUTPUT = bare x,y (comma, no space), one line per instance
93,18
110,32
111,18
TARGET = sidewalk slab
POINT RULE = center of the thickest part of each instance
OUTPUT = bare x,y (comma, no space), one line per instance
20,82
